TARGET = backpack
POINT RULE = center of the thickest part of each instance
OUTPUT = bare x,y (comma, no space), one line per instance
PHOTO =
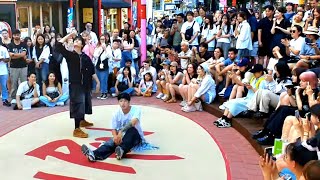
189,32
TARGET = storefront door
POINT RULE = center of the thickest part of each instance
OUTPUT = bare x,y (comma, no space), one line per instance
24,22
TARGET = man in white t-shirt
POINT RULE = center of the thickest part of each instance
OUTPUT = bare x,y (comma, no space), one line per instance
4,59
27,90
191,38
185,55
126,131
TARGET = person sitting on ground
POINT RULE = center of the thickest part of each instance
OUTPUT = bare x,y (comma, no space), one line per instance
161,82
236,106
27,90
188,75
266,98
202,89
173,79
126,131
185,55
216,59
133,70
145,86
202,55
124,83
148,68
52,92
310,53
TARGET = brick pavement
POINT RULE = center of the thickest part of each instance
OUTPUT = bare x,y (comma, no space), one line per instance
241,158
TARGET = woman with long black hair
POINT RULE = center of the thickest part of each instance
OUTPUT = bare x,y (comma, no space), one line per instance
225,30
209,33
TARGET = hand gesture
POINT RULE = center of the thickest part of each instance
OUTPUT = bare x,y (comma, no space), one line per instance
55,100
267,166
285,42
185,72
118,139
49,99
104,47
309,90
38,65
248,86
34,84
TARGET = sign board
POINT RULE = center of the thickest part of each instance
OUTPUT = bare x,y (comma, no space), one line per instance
169,7
167,1
70,18
87,15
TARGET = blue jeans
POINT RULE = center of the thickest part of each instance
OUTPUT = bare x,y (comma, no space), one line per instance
42,74
103,78
130,139
4,89
125,55
45,100
129,90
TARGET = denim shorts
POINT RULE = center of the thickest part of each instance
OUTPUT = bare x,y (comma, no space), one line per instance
207,98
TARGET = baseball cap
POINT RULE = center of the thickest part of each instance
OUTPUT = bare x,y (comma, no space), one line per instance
243,62
256,68
174,64
166,62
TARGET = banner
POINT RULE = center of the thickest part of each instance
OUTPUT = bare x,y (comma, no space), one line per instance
70,18
87,15
223,2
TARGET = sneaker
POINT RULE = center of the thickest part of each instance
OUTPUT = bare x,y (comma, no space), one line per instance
88,153
221,93
164,97
119,152
160,95
6,103
224,124
198,106
60,103
113,94
85,123
217,121
104,96
99,97
191,108
79,133
183,103
222,107
13,101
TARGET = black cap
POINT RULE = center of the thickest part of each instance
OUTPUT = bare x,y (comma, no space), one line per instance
125,96
256,68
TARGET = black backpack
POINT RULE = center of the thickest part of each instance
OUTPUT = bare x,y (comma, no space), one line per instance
189,32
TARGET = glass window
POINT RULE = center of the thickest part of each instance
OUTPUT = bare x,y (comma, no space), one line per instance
55,16
46,14
35,14
23,17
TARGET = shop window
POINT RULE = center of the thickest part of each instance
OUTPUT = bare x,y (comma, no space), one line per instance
55,16
35,14
157,5
46,14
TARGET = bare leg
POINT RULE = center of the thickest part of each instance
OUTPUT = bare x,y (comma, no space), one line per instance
288,123
233,92
159,86
240,90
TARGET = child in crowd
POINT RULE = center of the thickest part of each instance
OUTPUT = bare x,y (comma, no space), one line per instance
145,86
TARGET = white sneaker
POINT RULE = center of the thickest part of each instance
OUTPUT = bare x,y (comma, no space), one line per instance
159,96
164,97
183,103
60,103
191,108
198,106
222,107
113,94
13,101
221,93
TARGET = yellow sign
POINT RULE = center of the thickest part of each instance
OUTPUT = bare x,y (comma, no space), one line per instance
167,1
87,15
112,11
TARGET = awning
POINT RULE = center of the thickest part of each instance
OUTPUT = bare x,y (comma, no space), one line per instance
115,4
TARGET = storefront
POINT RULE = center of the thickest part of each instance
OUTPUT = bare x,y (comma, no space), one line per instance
7,12
31,13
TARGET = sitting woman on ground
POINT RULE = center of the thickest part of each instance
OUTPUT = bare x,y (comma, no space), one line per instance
124,83
216,59
287,106
296,156
202,89
52,92
276,84
173,79
161,82
145,86
188,75
236,106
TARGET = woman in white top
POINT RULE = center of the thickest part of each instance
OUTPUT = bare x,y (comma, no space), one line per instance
243,35
40,55
216,59
224,33
201,89
52,92
209,33
128,46
188,75
100,60
294,46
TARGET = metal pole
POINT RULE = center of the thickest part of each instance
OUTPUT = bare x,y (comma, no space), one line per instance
143,31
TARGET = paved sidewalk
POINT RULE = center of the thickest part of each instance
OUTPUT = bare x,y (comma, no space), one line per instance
241,158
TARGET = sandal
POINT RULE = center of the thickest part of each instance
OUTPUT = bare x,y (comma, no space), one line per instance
172,100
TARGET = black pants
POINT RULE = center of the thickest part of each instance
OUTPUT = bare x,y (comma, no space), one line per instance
80,103
129,140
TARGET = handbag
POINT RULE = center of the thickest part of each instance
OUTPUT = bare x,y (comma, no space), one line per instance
189,32
53,95
102,65
122,86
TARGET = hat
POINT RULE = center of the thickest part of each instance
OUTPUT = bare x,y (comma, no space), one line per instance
174,64
205,67
256,68
124,95
243,62
315,110
166,62
312,30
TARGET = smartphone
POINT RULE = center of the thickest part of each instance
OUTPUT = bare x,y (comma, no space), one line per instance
297,114
268,152
308,116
